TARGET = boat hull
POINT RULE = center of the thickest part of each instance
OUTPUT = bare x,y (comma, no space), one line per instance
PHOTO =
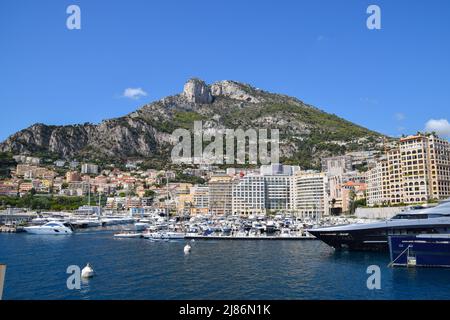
376,240
47,231
370,238
428,251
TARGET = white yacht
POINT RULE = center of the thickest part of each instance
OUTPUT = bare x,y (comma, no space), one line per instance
53,227
139,226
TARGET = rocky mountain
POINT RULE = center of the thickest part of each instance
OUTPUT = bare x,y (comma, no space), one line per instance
306,133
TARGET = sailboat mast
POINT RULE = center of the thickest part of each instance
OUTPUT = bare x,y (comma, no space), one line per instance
168,196
89,192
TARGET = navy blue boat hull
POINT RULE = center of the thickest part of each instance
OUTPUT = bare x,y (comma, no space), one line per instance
428,251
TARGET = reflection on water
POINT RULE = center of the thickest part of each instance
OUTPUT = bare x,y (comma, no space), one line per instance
141,269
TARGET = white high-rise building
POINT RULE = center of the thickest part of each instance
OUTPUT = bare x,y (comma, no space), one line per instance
249,195
311,196
279,186
89,168
377,192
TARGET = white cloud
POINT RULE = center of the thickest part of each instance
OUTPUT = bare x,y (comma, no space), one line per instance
400,116
441,127
134,93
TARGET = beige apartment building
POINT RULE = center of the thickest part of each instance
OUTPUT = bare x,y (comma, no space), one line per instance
393,181
415,166
220,194
439,167
200,198
418,170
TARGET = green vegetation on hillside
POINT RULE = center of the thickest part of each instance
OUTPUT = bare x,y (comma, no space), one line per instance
185,178
6,163
40,202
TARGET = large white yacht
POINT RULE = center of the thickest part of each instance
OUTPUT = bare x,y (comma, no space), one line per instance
53,227
374,236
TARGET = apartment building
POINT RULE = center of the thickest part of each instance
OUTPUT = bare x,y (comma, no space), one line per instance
418,170
89,168
184,199
439,167
311,196
79,188
279,187
377,184
121,203
200,199
72,176
394,179
220,194
415,174
249,195
334,166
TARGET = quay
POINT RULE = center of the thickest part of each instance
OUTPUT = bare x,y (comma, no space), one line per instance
11,229
200,237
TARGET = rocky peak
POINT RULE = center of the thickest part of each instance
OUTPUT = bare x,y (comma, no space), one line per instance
234,90
196,91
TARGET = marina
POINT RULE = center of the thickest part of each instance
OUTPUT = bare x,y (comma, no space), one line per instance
156,224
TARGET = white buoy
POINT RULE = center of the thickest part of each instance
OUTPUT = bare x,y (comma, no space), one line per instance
187,249
87,272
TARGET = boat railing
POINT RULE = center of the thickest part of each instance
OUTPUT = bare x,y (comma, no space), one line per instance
401,254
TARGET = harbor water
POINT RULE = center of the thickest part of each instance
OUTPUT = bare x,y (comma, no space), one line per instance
215,269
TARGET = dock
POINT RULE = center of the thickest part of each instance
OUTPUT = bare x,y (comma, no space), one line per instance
199,237
9,229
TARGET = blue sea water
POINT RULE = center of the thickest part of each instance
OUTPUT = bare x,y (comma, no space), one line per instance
141,269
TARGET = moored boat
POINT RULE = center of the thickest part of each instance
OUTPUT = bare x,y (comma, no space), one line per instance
374,236
51,228
128,235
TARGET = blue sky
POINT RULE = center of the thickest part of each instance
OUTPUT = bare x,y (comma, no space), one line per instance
391,80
